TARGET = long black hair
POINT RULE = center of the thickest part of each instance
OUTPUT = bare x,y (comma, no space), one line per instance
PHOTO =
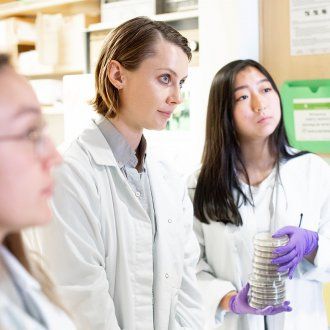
218,179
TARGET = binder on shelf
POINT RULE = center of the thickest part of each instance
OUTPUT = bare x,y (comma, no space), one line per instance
306,114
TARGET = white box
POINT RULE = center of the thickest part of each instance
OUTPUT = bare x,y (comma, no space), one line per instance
48,91
118,12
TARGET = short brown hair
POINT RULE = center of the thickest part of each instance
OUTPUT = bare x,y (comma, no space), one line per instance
129,44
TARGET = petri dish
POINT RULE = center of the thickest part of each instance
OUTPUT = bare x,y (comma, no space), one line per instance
261,306
268,295
265,239
269,272
270,278
256,282
264,266
267,302
270,290
264,254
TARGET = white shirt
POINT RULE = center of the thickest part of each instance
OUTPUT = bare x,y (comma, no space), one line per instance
262,201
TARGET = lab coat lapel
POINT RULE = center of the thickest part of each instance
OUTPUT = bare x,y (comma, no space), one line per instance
164,204
98,147
167,247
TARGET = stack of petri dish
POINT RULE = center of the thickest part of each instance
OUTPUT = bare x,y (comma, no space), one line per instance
267,285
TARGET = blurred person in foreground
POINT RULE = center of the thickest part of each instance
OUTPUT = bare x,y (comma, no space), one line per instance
27,156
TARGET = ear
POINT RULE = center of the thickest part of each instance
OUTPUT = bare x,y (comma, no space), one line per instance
116,74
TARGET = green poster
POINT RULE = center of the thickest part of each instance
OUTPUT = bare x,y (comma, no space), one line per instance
306,112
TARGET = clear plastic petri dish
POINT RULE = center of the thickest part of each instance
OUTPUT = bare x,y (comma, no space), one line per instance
264,254
264,249
270,278
261,284
263,290
267,302
266,239
268,272
268,295
261,306
264,266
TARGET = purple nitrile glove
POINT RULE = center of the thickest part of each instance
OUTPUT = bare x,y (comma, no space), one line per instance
239,304
301,243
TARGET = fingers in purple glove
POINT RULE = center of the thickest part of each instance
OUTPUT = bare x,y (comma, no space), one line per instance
285,258
288,230
284,307
291,264
285,248
265,311
272,310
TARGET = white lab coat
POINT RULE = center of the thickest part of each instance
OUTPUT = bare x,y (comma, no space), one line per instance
227,250
100,245
12,317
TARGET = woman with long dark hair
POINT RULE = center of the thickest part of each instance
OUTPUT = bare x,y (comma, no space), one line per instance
252,181
27,157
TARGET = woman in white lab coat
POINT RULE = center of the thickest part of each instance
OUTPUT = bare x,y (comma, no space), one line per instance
122,245
251,181
27,156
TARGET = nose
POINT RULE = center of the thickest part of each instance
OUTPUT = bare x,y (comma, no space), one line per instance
50,156
258,103
175,97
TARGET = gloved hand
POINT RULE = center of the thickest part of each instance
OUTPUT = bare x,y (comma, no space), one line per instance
302,242
239,304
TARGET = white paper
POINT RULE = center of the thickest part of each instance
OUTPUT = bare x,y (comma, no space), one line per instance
310,27
312,119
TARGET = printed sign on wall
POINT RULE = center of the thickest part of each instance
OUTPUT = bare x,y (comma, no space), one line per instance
309,27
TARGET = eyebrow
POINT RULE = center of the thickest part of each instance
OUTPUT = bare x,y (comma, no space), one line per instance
246,86
23,111
173,72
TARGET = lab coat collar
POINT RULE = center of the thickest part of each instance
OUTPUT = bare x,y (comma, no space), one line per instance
96,144
17,272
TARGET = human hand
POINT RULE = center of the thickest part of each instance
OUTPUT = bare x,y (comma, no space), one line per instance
301,243
239,304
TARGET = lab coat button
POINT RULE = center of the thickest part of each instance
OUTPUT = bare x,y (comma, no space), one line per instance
169,220
137,194
166,275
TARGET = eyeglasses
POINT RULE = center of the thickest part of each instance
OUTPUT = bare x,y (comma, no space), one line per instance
38,137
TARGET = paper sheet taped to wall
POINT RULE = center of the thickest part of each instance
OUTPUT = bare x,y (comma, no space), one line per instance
309,27
312,119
